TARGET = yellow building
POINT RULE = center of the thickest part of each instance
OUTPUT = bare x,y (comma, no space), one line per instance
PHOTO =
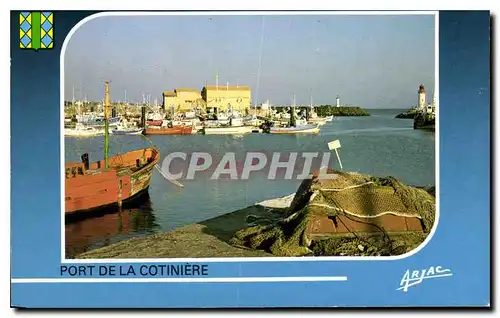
182,99
224,98
170,101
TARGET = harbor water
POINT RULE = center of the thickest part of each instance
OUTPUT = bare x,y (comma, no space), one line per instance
379,145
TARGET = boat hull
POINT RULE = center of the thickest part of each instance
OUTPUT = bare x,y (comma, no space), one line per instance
154,122
127,132
240,130
81,133
96,187
320,122
314,129
107,209
176,130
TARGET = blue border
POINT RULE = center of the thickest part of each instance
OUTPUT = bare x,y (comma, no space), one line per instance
461,243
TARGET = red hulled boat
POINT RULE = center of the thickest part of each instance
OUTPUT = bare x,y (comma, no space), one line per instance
91,186
108,182
154,122
175,130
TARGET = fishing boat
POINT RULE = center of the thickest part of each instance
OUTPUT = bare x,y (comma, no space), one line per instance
227,130
234,126
154,122
194,122
297,126
173,130
317,121
252,121
99,121
108,182
126,128
156,115
127,131
303,129
82,131
223,118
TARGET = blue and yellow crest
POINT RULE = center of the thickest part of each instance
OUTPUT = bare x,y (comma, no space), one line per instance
36,30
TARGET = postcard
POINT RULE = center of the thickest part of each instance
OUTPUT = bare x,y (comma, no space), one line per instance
250,159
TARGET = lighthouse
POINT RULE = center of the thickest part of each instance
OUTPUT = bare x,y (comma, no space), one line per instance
338,101
421,98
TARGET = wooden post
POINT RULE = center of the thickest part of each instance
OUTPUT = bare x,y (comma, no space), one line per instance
292,113
335,145
338,157
143,116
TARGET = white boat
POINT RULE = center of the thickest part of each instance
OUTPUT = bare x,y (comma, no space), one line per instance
300,122
223,118
318,121
228,130
195,122
127,131
154,116
315,119
190,115
87,117
302,129
91,120
251,121
126,128
236,121
301,126
83,131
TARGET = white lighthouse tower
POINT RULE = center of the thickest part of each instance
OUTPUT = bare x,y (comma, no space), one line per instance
422,104
338,101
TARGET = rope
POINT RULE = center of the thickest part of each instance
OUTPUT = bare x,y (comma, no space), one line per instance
319,190
161,172
323,205
346,188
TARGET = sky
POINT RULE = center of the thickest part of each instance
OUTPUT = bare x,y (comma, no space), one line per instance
375,61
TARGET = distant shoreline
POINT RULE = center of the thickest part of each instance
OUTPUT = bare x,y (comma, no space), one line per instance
341,111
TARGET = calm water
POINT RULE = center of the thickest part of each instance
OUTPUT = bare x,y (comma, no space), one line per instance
378,145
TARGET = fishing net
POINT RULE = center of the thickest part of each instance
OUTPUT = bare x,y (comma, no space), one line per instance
353,196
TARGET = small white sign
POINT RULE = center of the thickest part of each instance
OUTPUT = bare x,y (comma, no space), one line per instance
334,144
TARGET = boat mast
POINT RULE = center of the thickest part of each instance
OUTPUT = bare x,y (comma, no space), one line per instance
260,61
311,108
311,98
73,101
217,81
106,124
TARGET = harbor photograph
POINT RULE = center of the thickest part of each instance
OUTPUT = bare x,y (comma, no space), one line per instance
257,135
